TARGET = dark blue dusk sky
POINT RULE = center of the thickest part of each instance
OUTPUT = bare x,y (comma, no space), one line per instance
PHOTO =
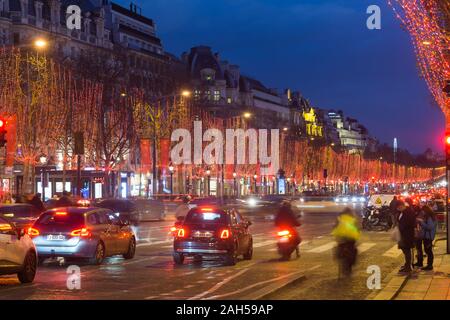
320,47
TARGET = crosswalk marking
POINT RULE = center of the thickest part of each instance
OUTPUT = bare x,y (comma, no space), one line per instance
393,252
264,243
325,247
365,246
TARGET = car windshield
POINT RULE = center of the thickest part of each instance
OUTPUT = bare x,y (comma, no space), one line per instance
206,217
60,219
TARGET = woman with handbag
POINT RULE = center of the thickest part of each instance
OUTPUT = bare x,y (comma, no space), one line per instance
428,226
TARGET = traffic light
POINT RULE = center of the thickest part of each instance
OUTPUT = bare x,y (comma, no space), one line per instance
447,147
3,132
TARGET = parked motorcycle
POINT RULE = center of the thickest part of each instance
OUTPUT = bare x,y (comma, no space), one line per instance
288,242
377,218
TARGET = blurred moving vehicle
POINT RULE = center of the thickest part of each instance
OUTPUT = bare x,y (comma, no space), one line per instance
134,211
22,215
350,199
17,252
82,233
215,232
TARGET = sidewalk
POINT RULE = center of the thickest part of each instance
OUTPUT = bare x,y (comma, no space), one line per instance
422,285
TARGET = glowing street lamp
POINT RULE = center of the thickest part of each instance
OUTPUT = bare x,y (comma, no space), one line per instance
247,115
186,93
40,43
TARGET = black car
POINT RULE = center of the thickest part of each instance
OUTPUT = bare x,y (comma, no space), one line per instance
214,232
126,209
22,215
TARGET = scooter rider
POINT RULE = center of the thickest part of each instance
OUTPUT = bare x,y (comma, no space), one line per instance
286,218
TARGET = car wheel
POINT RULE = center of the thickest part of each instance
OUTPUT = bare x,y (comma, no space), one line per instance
131,249
249,254
99,254
231,258
29,268
178,258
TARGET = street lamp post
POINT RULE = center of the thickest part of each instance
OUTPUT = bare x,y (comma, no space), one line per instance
208,173
171,168
234,184
43,161
256,187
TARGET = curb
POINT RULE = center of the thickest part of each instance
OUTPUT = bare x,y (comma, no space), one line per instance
394,286
264,292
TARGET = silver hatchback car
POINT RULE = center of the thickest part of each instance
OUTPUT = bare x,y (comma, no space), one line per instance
82,233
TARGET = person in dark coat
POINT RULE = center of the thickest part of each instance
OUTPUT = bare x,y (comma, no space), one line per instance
65,200
37,202
286,219
406,222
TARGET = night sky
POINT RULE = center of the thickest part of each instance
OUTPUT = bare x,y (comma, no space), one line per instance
321,48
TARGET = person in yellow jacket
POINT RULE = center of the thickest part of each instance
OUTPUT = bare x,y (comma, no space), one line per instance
346,233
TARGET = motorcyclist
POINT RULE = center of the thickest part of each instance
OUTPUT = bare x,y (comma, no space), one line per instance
286,218
346,233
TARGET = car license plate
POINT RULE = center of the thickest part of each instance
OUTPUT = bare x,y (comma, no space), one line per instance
200,234
58,237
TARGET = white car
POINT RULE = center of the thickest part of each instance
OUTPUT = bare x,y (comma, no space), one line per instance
17,252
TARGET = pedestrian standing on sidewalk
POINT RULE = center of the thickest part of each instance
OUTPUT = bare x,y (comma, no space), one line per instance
428,226
418,236
406,222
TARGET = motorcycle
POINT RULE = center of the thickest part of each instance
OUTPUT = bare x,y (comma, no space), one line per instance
288,242
374,218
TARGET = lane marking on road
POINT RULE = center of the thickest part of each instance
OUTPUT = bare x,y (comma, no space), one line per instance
325,247
260,283
366,246
154,243
218,285
393,252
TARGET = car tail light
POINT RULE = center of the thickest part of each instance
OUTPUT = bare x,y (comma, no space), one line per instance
33,232
225,234
173,229
181,233
83,232
61,213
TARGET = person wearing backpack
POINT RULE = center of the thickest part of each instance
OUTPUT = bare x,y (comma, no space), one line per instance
428,225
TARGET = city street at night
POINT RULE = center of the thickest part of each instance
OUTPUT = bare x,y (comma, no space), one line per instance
153,275
224,159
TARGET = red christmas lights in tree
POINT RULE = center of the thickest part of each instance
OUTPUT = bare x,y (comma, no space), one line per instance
428,22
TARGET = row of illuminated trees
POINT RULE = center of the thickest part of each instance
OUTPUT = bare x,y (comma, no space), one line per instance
49,102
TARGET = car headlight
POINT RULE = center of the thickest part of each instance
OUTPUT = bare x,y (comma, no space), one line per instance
354,199
362,199
251,202
337,200
302,200
345,199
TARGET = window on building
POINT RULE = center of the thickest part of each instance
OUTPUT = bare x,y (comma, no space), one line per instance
216,95
197,94
229,100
